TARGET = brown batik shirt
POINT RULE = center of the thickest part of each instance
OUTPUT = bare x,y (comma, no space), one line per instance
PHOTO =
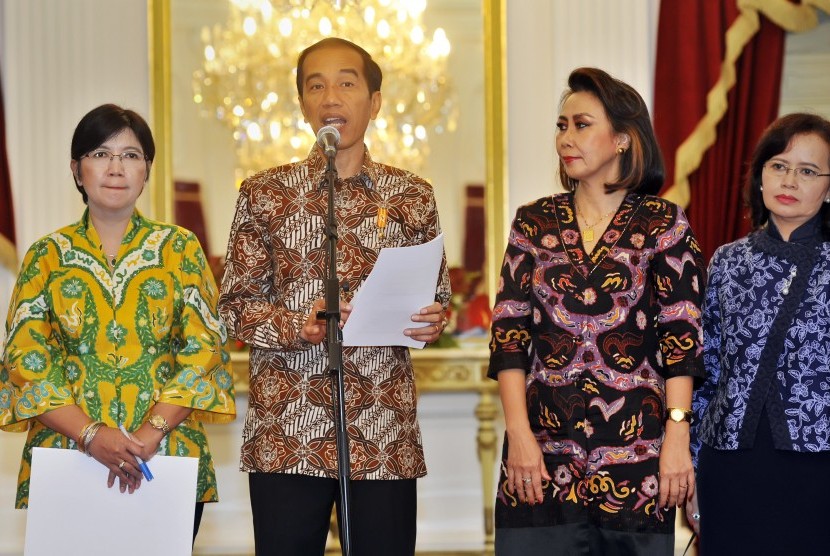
275,270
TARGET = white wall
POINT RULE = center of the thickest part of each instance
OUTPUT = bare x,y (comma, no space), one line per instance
61,59
547,40
805,82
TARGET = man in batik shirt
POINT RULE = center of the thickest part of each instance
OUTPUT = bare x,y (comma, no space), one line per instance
273,288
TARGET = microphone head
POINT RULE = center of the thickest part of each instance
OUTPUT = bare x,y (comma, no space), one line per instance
328,137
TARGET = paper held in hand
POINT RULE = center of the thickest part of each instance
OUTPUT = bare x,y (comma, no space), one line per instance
69,502
402,282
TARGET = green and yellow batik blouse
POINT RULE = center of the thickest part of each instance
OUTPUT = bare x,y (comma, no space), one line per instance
115,341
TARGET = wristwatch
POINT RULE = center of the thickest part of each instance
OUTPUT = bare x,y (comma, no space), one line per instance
678,415
158,422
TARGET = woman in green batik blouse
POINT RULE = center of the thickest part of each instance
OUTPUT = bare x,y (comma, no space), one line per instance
113,322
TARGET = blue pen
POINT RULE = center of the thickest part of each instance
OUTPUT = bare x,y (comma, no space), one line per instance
141,464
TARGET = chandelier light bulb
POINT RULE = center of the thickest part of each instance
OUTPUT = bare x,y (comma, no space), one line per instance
383,29
325,26
267,11
254,132
416,35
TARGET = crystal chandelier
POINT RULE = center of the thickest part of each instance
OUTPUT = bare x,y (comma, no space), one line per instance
248,76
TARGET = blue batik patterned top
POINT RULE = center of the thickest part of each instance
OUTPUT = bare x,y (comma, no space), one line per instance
767,343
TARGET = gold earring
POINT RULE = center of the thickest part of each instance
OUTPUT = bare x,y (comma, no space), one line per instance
620,150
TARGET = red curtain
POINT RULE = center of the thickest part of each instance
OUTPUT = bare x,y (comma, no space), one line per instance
8,256
474,229
187,210
691,43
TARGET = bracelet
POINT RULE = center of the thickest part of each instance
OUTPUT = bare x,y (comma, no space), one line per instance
82,436
88,432
91,435
84,429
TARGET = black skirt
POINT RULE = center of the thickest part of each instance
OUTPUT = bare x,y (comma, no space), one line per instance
762,500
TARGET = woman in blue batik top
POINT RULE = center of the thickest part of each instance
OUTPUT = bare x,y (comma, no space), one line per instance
761,433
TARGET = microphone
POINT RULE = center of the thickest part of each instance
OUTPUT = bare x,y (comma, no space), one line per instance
328,138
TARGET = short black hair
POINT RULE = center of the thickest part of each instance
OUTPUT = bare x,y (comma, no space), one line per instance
641,165
374,75
774,141
103,122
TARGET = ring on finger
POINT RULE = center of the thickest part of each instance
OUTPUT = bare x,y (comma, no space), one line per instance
122,464
527,480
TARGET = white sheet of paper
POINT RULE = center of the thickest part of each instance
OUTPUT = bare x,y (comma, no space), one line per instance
402,282
71,510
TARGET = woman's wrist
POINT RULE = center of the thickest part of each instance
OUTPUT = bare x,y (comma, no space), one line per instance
518,429
151,437
678,430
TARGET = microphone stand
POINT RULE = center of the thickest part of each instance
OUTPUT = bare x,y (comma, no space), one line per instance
334,343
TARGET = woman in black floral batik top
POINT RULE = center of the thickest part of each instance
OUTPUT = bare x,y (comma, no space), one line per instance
596,341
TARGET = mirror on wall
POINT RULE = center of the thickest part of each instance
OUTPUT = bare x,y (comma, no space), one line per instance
205,168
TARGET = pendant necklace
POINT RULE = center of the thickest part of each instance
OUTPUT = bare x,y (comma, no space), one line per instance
110,259
588,232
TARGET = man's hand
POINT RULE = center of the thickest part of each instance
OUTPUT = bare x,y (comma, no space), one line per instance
314,329
434,316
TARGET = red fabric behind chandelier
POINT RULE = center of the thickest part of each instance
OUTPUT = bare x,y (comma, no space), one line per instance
690,49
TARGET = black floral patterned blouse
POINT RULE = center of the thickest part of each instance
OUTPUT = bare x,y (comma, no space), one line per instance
598,335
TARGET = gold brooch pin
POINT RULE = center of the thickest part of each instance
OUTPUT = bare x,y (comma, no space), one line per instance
382,214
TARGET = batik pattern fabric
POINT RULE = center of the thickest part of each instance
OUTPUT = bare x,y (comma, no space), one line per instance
767,344
276,267
597,335
116,342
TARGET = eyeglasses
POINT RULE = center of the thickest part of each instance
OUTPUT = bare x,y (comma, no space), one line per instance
802,175
102,157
